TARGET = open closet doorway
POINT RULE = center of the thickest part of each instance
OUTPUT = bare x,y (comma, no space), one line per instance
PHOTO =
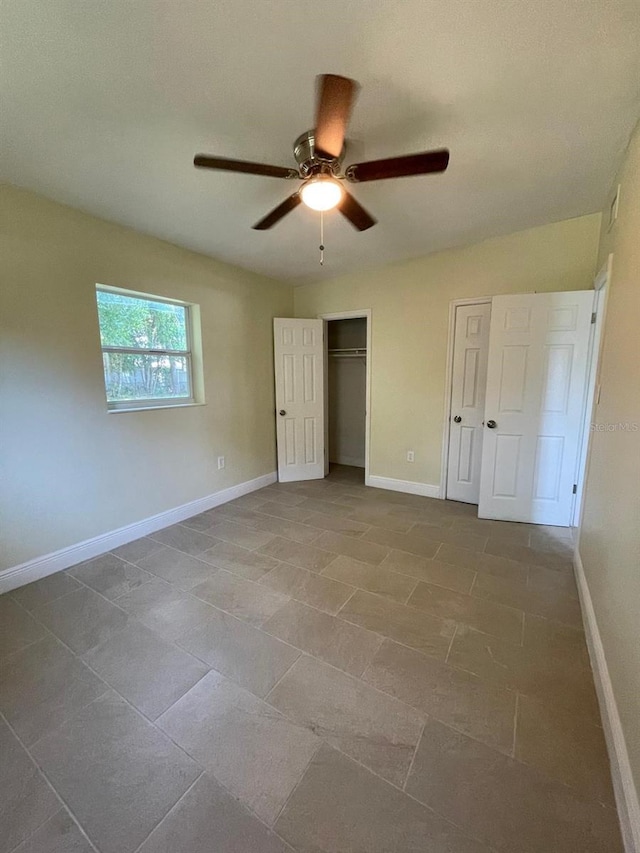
347,372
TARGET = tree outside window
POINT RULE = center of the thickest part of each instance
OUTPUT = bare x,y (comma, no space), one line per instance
146,349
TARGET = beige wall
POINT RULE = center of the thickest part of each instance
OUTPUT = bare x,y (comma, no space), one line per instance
72,471
610,533
410,305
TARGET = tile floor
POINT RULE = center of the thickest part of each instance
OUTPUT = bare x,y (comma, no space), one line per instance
313,667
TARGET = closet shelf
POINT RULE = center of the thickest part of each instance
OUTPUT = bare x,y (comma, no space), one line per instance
348,352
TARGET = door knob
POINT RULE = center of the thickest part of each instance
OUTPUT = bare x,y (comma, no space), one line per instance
492,424
282,412
457,419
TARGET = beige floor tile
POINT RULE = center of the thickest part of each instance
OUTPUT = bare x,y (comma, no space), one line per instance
26,801
184,539
42,685
209,818
239,534
463,701
355,547
482,527
240,561
248,656
40,592
165,609
530,556
17,627
495,619
410,542
566,746
308,587
252,500
558,681
338,510
276,493
512,531
456,556
335,641
506,804
202,521
550,603
243,515
242,598
302,533
110,576
555,539
376,730
542,579
116,772
375,517
124,779
287,511
376,579
549,640
182,570
254,751
60,834
406,625
431,571
137,550
501,567
340,806
309,557
460,538
423,515
148,671
83,619
345,526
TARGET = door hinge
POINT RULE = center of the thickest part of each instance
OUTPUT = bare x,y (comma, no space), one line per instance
575,488
593,317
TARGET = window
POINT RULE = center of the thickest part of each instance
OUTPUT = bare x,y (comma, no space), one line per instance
146,350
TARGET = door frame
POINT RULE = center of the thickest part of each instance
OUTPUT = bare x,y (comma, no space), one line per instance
448,385
362,313
592,391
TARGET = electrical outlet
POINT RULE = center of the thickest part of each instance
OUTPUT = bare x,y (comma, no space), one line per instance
410,456
220,462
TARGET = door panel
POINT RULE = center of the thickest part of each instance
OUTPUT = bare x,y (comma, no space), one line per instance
299,378
470,348
535,394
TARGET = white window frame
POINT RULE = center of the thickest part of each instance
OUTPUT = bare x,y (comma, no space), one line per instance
153,402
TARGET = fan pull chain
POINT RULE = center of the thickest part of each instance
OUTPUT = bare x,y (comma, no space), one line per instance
321,238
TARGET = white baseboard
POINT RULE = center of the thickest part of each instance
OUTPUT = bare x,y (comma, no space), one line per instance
40,567
623,783
425,489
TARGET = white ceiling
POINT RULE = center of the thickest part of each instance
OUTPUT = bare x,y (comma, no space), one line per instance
105,102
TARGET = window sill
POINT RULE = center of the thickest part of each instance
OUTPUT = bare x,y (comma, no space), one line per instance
153,408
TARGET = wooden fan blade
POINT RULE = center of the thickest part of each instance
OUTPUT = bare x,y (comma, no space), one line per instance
204,161
399,167
355,212
278,212
335,99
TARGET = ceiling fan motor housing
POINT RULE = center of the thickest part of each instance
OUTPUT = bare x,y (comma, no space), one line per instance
310,162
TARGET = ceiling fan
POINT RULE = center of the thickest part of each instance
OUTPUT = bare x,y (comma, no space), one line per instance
319,154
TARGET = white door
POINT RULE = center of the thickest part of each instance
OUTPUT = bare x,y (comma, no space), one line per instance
534,406
469,378
299,373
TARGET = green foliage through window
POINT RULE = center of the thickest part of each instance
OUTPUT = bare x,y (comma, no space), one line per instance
130,326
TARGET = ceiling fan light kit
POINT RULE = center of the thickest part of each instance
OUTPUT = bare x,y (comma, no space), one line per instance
321,193
319,154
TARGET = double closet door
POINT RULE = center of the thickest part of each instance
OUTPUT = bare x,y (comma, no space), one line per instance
517,405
